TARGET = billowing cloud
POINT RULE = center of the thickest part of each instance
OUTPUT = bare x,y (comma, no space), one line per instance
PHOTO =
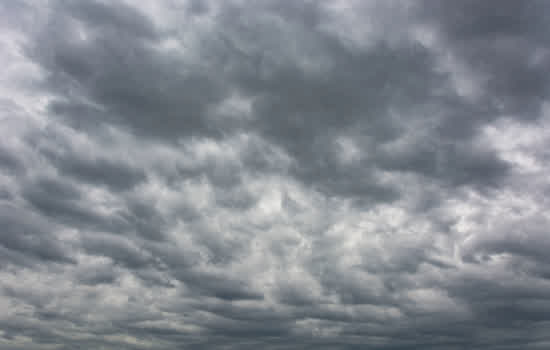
285,175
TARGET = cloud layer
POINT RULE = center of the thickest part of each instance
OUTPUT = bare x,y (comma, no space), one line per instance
285,175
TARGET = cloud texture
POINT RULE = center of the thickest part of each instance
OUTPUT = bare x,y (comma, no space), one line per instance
274,174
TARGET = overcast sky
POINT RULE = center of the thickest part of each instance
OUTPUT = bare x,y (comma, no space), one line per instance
253,174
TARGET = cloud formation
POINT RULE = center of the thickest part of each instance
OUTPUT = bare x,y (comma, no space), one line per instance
285,175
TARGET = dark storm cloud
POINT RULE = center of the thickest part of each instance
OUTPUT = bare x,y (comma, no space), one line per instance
219,286
455,163
9,163
101,171
101,275
116,69
120,250
25,238
353,93
63,202
274,174
505,42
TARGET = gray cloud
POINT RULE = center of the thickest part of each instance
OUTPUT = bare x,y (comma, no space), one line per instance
504,44
26,238
242,174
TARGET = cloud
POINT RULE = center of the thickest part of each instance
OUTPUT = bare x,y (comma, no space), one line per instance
26,238
241,174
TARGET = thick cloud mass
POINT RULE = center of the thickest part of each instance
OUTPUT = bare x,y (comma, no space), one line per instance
274,174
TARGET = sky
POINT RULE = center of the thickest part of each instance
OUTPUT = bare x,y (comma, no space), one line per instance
272,174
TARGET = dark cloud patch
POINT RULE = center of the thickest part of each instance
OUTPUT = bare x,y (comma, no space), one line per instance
237,199
145,220
456,164
62,201
53,188
176,257
99,170
363,94
120,250
505,44
294,295
24,236
217,285
348,91
116,17
99,274
9,163
111,73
